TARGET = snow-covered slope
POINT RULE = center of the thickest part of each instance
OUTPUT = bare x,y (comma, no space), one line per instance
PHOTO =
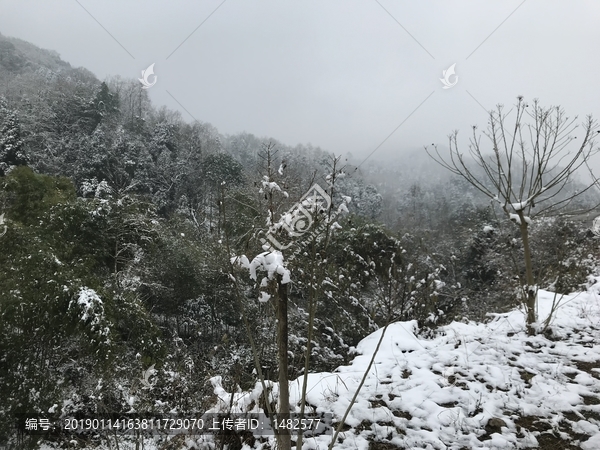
473,386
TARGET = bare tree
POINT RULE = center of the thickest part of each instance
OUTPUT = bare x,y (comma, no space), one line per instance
529,171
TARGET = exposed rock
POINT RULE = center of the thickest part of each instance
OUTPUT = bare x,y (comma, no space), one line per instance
495,424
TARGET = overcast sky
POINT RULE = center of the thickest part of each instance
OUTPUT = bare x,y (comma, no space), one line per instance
339,74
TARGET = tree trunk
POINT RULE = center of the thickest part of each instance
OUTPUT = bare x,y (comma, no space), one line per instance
285,442
531,290
312,306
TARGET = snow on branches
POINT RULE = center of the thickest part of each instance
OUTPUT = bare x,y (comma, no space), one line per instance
270,262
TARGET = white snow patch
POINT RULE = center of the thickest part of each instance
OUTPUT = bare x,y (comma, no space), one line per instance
592,443
89,301
264,297
520,206
270,262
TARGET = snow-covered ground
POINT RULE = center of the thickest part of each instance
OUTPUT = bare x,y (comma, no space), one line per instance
474,386
485,386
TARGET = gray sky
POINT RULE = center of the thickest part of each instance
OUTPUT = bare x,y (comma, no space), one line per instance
339,74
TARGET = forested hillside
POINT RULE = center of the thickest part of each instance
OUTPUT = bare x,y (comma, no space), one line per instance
124,231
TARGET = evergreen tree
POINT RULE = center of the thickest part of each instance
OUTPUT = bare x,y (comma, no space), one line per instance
12,152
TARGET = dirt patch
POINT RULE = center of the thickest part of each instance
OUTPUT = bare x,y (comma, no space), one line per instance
532,423
590,415
588,366
403,414
378,445
448,404
567,427
526,377
590,400
547,437
377,403
551,441
571,416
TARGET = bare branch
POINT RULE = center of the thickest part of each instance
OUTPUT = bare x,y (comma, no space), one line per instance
522,174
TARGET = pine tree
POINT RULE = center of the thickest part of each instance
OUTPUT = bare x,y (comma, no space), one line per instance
12,152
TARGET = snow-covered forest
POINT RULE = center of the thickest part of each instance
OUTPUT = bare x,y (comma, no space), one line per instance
152,266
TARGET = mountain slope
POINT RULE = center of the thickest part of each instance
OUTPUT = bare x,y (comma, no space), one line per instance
475,385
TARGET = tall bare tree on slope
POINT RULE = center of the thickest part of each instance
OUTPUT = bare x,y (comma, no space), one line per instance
529,170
